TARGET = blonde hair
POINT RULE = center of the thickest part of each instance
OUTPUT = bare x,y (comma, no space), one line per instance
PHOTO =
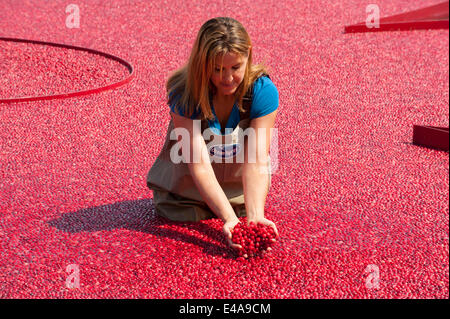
191,83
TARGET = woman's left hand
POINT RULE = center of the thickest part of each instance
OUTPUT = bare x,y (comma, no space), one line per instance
264,221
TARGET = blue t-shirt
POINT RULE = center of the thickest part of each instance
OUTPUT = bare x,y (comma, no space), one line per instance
265,101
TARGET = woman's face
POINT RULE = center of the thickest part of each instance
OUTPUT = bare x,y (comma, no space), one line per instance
233,70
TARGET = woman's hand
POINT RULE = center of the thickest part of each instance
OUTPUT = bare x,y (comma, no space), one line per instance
264,221
227,227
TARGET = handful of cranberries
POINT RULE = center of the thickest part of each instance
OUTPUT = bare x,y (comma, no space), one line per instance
254,238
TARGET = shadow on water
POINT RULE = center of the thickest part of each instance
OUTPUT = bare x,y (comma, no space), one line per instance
140,216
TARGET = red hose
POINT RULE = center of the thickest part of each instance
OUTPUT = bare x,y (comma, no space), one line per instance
77,93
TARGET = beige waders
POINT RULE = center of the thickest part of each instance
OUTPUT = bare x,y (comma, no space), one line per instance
175,194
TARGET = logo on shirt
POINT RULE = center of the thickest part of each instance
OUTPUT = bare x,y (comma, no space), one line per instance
225,150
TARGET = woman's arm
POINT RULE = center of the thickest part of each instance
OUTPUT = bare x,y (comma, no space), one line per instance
203,174
255,176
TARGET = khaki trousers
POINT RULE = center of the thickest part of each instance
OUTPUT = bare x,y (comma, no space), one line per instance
177,208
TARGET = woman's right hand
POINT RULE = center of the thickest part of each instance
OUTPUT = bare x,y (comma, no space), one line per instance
227,227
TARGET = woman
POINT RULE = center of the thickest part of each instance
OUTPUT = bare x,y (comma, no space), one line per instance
217,89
